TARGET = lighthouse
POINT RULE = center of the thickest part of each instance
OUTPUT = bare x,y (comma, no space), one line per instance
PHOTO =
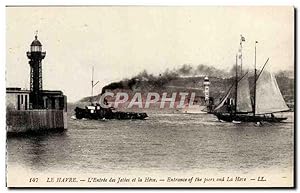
38,109
35,56
206,84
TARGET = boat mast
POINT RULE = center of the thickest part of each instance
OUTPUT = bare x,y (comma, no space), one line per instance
254,97
241,50
236,82
93,85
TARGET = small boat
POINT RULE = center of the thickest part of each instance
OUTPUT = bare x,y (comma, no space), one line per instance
194,109
267,99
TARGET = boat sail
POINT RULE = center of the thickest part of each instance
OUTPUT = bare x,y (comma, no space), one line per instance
243,96
223,101
268,96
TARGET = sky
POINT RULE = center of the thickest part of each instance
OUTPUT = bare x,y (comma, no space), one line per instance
122,41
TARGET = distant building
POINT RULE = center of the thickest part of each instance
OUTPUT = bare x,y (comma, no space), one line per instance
54,99
17,99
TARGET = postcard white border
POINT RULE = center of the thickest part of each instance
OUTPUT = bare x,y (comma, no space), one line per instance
109,2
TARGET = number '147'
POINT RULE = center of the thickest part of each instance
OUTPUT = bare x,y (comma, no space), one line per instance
33,180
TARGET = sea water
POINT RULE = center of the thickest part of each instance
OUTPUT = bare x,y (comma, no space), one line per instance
166,142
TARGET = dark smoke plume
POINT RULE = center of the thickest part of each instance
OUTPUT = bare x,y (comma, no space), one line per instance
165,77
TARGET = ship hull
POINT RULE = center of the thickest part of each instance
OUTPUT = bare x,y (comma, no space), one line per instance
248,118
107,114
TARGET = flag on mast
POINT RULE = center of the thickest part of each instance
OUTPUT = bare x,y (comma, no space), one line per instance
243,38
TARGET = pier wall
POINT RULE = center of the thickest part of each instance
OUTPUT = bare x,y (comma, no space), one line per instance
19,121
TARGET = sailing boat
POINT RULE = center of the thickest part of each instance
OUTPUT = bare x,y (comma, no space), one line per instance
266,101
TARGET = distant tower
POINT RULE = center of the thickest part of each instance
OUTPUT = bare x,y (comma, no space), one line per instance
36,83
206,84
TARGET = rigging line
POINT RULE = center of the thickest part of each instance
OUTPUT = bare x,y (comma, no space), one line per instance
95,83
252,88
262,69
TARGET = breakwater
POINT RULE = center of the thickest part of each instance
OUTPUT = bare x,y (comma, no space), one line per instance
35,120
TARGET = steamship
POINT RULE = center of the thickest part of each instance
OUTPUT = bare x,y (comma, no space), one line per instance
96,112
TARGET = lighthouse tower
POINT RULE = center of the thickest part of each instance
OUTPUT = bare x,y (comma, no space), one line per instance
35,56
206,84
